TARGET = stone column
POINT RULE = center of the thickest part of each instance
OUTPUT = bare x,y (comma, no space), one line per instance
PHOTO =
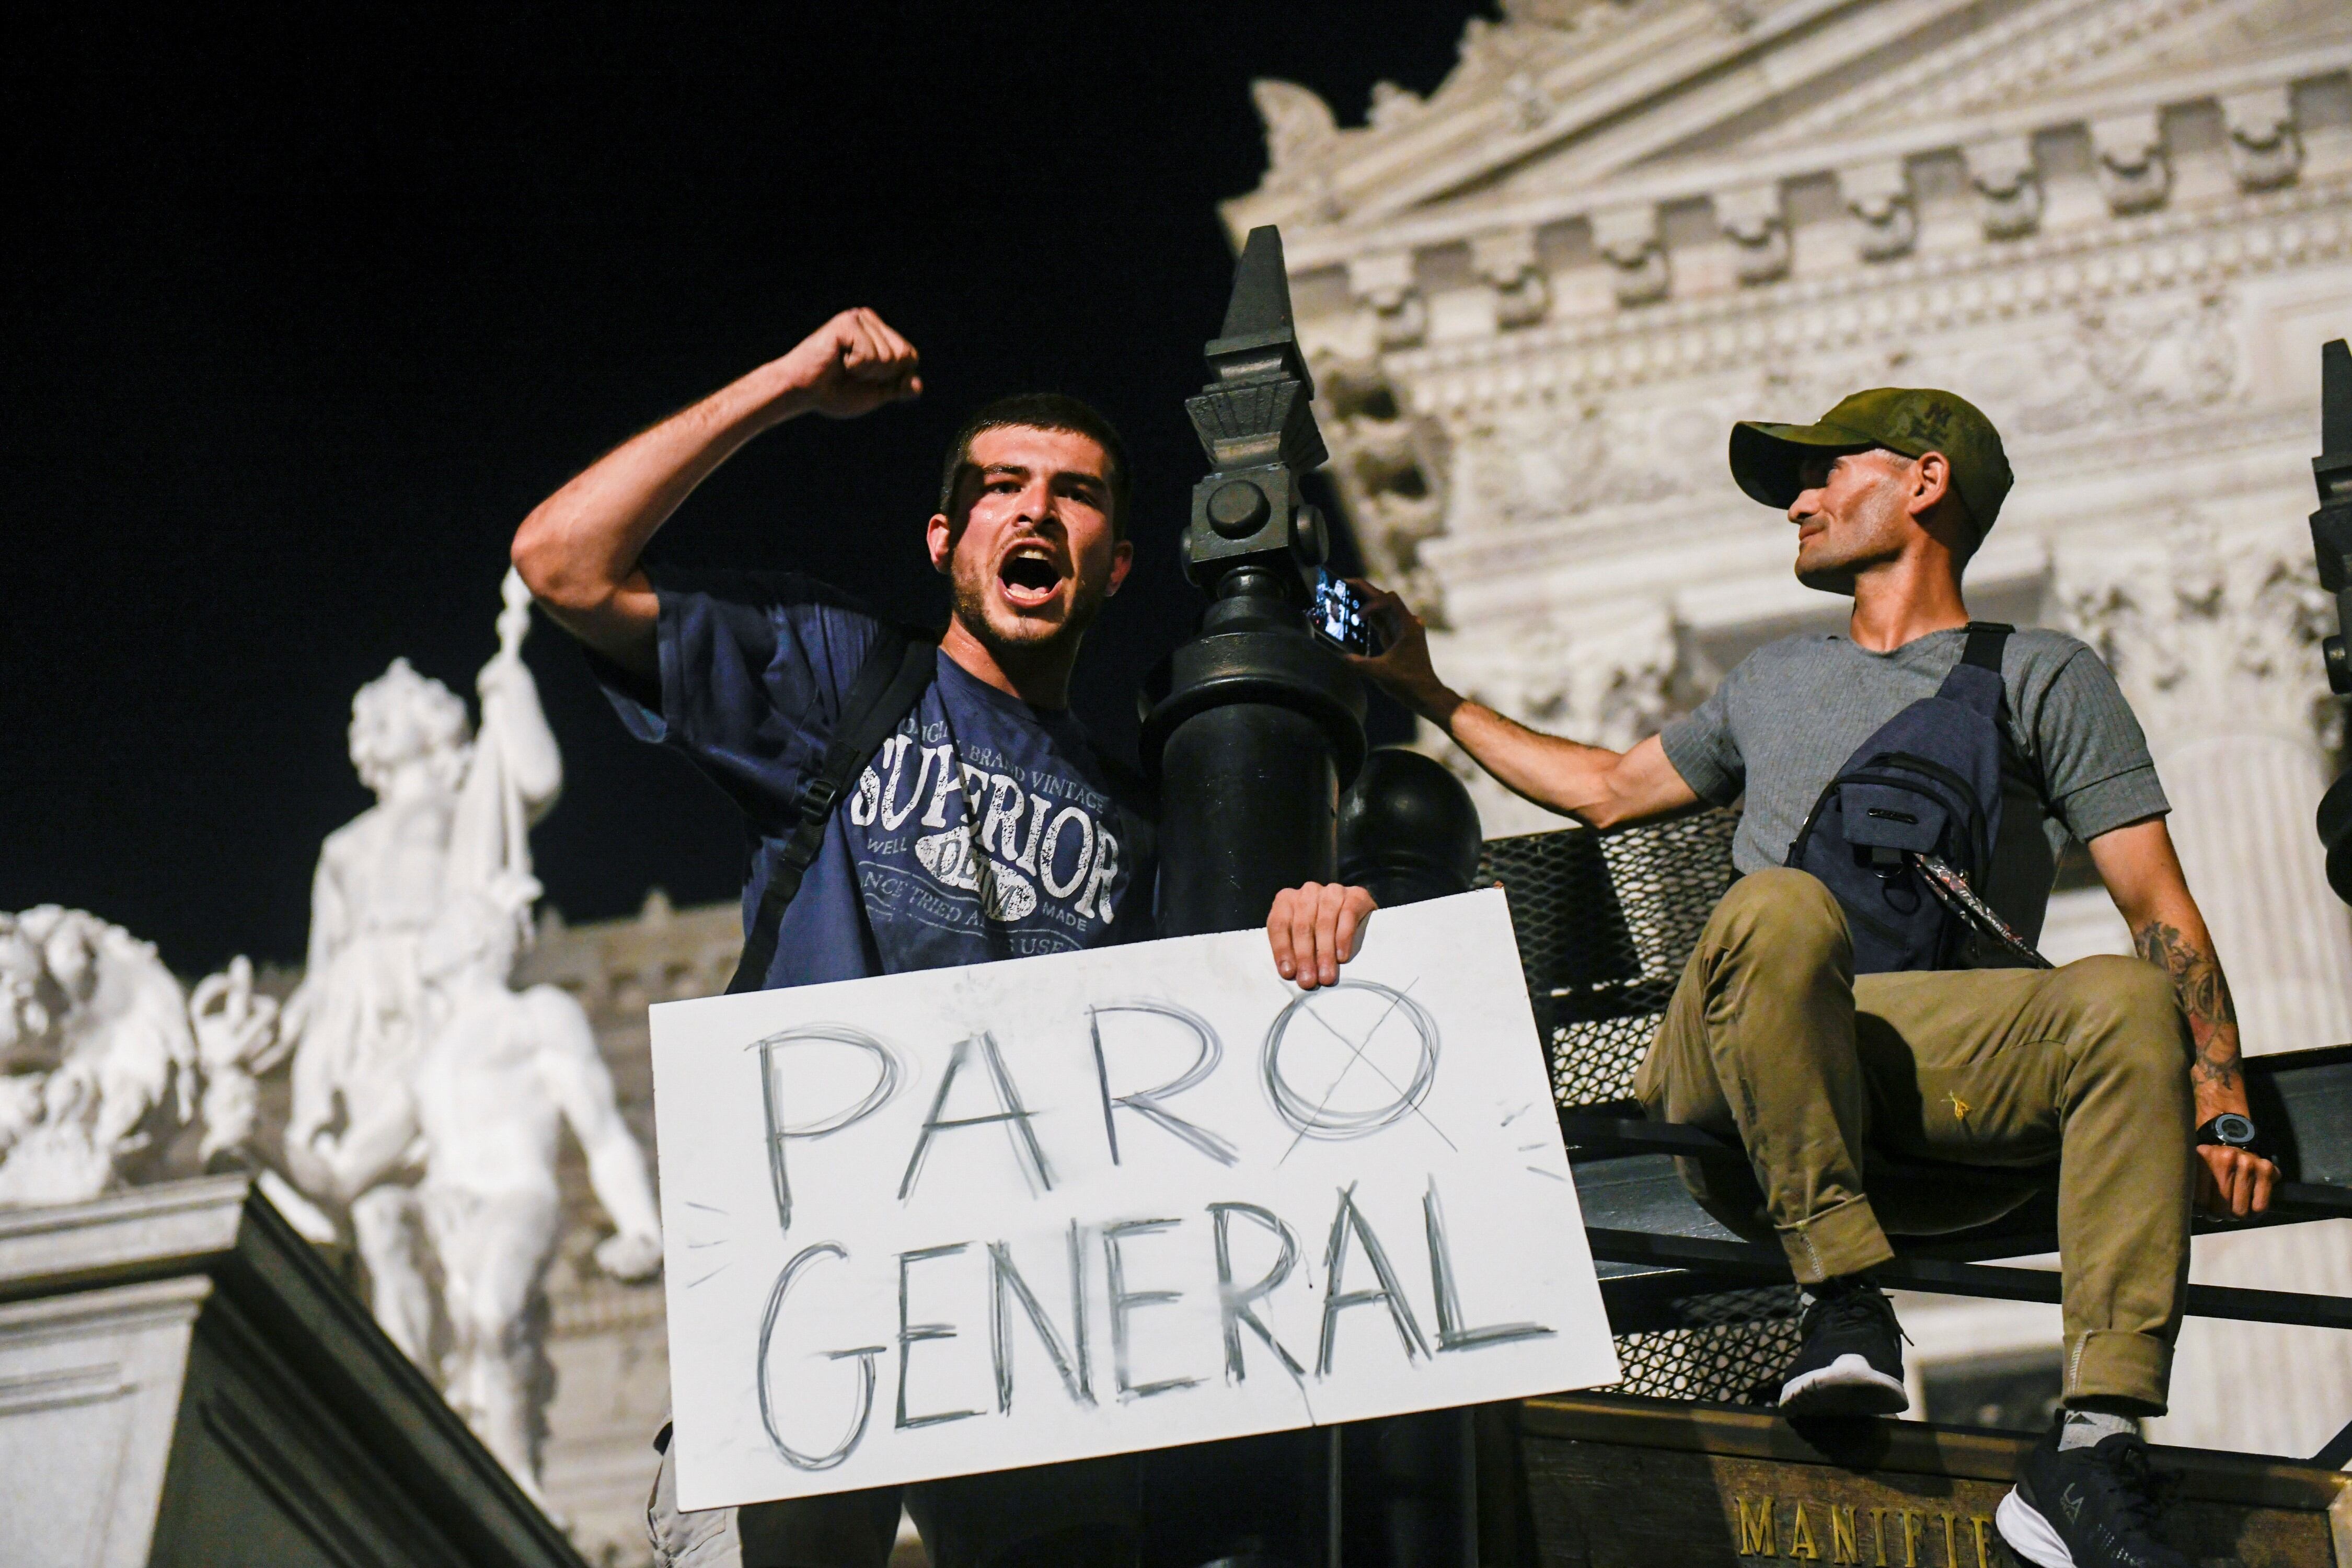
2212,632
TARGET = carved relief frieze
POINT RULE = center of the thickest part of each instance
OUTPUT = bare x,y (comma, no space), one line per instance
2265,151
2209,629
2006,185
2113,363
1543,462
1560,414
2098,374
1879,195
2134,170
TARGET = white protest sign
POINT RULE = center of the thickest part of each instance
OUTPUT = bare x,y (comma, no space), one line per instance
971,1219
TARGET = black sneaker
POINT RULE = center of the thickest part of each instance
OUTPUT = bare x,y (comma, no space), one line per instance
2087,1508
1852,1360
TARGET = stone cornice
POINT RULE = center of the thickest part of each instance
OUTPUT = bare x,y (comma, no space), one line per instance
1922,292
1736,169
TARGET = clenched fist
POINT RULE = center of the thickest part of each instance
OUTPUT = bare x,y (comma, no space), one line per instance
2233,1184
852,366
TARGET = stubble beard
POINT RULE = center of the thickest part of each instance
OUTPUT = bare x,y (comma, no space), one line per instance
1870,520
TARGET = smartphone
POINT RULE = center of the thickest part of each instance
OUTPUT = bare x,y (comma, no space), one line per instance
1339,615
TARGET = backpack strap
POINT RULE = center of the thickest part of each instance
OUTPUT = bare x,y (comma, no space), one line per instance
1986,640
885,689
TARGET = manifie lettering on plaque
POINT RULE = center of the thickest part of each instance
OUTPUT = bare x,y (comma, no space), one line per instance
971,1219
1770,1526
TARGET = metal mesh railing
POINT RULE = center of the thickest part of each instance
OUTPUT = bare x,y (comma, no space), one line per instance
1737,1349
1605,924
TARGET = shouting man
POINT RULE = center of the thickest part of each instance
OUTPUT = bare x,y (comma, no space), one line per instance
987,827
1868,988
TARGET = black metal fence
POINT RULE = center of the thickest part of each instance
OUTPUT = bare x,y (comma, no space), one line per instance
1604,927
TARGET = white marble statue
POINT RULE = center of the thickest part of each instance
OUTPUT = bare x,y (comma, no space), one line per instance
238,1045
98,1067
483,1108
235,1028
111,1075
452,813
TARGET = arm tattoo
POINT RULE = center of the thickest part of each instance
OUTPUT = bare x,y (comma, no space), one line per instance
2204,995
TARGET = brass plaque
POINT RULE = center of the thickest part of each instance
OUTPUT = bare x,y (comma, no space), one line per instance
1616,1482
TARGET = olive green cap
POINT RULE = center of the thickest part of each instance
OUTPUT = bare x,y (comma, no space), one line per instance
1766,459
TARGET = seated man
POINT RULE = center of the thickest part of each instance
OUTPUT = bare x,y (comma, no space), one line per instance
987,827
1773,1037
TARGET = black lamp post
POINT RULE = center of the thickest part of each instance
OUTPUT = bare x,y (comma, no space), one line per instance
1262,725
1259,728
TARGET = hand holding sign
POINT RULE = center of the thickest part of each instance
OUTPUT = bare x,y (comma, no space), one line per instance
971,1219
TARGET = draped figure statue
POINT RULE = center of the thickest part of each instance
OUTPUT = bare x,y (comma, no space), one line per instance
452,815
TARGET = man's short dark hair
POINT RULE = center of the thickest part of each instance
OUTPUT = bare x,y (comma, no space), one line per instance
1040,410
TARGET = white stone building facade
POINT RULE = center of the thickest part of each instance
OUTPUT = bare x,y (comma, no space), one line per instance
1537,300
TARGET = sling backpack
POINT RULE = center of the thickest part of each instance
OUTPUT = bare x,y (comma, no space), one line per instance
885,690
1904,833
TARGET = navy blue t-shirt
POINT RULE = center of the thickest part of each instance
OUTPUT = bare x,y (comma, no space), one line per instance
984,829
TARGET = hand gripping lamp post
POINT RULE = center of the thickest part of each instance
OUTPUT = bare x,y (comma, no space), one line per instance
1259,728
2331,537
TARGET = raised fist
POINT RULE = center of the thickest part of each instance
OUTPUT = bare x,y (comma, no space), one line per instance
854,364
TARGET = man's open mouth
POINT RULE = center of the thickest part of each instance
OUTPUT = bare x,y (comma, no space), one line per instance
1030,575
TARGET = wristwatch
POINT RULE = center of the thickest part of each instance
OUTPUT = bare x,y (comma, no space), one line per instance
2229,1129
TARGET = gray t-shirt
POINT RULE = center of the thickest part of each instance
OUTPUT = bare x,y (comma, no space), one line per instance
1785,721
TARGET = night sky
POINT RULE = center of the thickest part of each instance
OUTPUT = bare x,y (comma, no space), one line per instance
305,310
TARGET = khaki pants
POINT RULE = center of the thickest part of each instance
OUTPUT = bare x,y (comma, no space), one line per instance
1770,1037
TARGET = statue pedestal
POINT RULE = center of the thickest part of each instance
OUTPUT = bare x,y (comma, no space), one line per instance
183,1381
1618,1483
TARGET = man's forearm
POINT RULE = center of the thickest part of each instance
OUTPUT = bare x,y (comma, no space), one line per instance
579,549
1559,774
1599,787
2178,943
